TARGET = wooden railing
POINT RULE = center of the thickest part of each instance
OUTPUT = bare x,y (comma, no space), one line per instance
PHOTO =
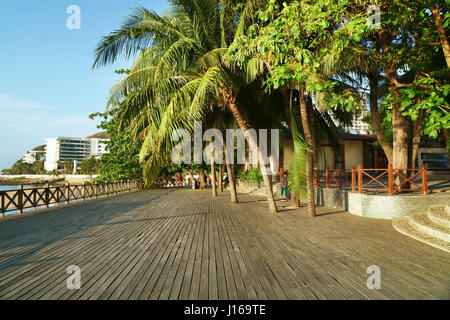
17,201
333,178
388,180
392,180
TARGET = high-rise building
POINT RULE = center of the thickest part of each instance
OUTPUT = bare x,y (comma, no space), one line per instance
358,125
98,147
60,149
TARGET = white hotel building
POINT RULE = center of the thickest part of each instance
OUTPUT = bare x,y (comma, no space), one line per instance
65,148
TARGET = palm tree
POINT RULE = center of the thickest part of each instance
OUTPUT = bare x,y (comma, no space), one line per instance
178,75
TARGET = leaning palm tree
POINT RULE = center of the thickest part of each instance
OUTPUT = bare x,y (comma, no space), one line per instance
178,75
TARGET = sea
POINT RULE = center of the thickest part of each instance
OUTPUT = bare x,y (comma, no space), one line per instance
14,187
3,188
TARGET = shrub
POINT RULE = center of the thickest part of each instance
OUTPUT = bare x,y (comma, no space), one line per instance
252,175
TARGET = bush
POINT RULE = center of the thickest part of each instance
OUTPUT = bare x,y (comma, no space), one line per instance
252,175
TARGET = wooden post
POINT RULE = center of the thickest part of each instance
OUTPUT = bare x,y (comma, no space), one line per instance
34,199
353,178
390,180
339,178
360,178
47,195
424,179
58,196
327,177
20,199
2,208
67,192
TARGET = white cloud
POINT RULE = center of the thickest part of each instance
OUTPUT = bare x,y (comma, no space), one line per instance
10,102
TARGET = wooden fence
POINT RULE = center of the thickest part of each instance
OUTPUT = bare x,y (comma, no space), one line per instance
32,198
388,180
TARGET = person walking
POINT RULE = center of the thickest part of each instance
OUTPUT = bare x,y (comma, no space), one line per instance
180,180
284,186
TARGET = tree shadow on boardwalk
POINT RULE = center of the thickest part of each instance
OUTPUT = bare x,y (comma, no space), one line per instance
329,213
27,235
156,219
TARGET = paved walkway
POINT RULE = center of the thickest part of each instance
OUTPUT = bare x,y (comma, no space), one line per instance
183,244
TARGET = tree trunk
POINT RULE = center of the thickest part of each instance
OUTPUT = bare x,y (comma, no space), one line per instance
230,173
232,182
202,179
376,120
220,182
399,126
213,177
400,144
295,197
231,102
416,136
446,138
233,172
295,200
312,126
441,32
399,130
309,155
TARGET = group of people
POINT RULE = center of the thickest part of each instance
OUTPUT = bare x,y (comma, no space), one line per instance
194,183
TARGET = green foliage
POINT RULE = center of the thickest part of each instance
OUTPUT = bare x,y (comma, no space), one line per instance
178,75
90,166
21,167
252,175
297,171
296,40
67,166
122,161
326,49
430,94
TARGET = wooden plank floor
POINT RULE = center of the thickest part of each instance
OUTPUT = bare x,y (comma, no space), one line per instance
184,244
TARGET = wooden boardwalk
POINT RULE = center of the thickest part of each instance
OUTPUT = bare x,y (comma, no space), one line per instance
183,244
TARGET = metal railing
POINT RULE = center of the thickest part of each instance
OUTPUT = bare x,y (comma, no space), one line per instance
32,198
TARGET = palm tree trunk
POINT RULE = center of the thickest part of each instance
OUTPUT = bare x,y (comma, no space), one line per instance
311,116
233,172
231,102
232,182
309,155
230,172
213,177
202,179
441,32
220,182
295,197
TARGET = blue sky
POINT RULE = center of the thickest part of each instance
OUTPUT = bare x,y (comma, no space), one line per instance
47,86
